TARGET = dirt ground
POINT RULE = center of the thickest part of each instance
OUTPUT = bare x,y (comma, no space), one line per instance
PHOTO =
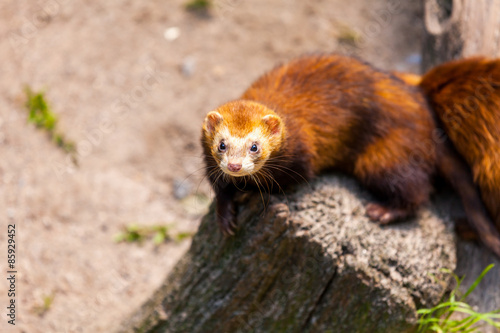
131,82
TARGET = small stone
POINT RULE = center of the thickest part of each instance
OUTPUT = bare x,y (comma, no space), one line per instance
182,188
172,33
414,59
188,66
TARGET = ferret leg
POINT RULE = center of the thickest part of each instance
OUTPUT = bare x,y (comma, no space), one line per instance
400,190
457,173
226,210
465,230
384,214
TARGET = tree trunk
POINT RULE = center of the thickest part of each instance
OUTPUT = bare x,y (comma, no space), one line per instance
311,263
458,29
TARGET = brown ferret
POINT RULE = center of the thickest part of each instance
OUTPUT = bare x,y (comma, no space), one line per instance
331,112
465,94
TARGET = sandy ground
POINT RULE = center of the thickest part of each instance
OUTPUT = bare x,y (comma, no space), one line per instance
132,97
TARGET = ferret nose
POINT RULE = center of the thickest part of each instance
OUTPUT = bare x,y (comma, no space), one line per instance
234,167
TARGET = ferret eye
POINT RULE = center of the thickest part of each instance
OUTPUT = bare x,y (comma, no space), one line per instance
222,146
254,148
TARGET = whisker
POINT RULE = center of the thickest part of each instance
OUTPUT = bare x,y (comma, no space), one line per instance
265,176
221,174
283,168
236,185
268,173
267,184
261,195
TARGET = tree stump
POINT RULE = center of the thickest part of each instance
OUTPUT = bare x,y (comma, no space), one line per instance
310,262
458,29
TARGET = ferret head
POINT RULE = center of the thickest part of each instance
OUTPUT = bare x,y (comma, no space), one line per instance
242,135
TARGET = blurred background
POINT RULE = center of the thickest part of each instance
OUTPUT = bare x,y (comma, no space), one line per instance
100,118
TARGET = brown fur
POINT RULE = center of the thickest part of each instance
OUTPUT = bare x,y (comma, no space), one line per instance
465,94
338,113
341,114
344,112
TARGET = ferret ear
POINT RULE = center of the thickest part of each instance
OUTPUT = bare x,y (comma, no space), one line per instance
273,123
212,119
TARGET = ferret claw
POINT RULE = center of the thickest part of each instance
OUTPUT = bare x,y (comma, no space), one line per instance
228,228
385,215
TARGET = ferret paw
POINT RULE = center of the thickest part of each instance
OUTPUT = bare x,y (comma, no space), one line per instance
228,227
465,231
385,215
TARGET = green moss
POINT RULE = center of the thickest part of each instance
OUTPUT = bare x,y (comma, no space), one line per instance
39,112
42,309
198,5
134,233
349,37
41,115
183,235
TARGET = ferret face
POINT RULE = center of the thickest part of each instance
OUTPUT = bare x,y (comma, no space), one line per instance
242,141
238,156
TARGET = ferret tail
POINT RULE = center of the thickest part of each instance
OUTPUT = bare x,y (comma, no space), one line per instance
454,169
465,96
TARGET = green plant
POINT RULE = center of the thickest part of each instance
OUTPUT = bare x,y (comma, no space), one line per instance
198,5
439,318
182,235
47,301
158,233
348,36
40,114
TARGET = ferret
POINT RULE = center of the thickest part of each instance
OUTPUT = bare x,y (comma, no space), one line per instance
329,112
465,94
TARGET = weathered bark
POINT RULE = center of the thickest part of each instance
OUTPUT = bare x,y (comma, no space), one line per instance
458,29
312,262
